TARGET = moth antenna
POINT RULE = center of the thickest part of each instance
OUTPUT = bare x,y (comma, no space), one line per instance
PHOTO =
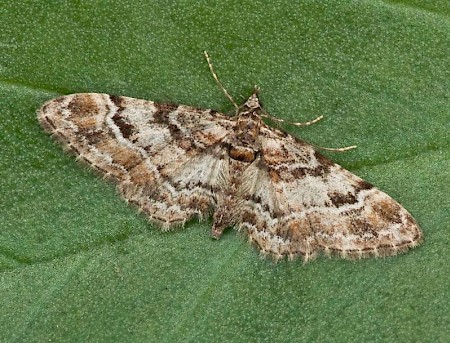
266,115
279,120
346,148
216,78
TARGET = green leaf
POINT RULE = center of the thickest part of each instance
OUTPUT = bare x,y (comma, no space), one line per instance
77,264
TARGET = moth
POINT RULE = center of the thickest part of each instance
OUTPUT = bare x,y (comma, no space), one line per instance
176,162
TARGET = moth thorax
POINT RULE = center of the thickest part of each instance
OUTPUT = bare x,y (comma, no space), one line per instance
247,128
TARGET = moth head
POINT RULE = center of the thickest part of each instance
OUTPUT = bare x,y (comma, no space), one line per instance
253,103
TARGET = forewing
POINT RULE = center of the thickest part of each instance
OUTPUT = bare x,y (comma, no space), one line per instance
308,203
166,158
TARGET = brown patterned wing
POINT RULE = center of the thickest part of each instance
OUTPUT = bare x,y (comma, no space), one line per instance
166,158
306,203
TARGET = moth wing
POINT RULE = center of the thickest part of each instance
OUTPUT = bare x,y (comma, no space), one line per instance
306,204
166,158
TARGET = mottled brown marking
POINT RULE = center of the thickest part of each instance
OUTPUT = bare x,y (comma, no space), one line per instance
45,108
100,169
125,128
73,149
325,162
300,228
161,115
301,172
126,158
264,206
279,157
363,185
274,176
250,217
388,210
50,123
84,123
175,132
94,137
339,199
83,105
141,175
199,203
319,171
117,100
185,144
119,154
360,226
